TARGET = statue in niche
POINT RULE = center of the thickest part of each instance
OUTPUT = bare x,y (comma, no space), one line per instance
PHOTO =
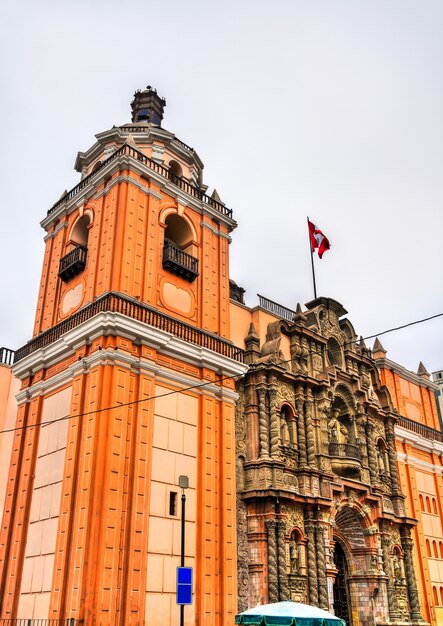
398,575
338,433
285,439
381,463
294,556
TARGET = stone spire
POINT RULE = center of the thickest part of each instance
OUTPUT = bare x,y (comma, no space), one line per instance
378,352
422,371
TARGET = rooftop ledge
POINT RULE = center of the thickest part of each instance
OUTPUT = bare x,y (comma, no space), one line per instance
182,183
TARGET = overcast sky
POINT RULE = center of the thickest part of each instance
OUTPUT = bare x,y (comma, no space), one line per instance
331,109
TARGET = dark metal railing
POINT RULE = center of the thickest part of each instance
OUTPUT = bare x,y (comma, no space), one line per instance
180,262
345,450
134,128
127,150
275,308
72,263
6,621
425,431
7,356
114,303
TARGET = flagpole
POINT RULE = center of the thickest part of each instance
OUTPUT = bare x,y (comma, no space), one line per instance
312,260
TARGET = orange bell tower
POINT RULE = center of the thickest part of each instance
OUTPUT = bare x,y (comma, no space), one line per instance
126,384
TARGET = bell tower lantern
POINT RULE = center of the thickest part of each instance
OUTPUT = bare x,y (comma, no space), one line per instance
147,106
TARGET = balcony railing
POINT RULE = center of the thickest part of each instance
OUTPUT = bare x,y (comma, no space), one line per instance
179,262
275,308
6,356
345,450
111,302
72,263
127,150
425,431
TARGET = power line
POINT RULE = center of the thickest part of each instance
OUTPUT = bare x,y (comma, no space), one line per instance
204,384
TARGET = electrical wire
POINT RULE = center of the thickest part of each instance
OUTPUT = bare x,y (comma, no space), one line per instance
203,384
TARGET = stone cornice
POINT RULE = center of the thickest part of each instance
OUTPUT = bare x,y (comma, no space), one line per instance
108,323
128,162
407,459
127,361
417,441
384,363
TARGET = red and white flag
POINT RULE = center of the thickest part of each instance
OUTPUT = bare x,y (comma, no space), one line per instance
318,240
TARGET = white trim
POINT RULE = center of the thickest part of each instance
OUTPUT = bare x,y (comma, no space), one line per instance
55,231
418,441
215,231
135,364
407,459
127,179
421,381
116,324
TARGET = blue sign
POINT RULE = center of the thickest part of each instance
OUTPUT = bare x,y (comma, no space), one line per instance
184,585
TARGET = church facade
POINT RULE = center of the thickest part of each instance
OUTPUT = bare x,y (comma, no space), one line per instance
145,366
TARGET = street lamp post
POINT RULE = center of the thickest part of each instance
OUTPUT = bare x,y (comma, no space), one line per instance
183,483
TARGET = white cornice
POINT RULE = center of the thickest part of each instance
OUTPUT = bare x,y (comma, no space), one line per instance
132,181
421,381
127,361
143,170
108,323
418,441
55,231
407,459
215,231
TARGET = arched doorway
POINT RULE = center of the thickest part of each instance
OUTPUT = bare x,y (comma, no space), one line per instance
341,586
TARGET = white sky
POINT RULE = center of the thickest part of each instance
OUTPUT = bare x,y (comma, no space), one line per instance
331,109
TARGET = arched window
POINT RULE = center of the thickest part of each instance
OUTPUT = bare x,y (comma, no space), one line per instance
382,459
441,596
428,547
440,545
434,506
175,169
80,232
422,505
74,261
434,548
435,596
428,504
179,248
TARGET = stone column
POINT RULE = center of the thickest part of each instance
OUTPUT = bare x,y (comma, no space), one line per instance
411,583
310,437
372,455
263,424
392,457
387,567
272,562
301,432
274,422
283,585
323,599
312,563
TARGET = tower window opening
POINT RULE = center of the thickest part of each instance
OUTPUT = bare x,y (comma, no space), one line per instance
178,250
74,261
175,169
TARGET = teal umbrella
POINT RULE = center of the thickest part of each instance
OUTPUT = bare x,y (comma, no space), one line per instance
288,614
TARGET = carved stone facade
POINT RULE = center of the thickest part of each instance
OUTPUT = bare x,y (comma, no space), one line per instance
321,517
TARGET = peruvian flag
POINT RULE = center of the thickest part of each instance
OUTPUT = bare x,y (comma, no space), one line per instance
318,239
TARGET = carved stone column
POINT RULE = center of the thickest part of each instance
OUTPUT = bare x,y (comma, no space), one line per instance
312,563
263,424
310,438
274,422
283,585
372,455
272,561
323,599
301,432
392,457
411,582
387,567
